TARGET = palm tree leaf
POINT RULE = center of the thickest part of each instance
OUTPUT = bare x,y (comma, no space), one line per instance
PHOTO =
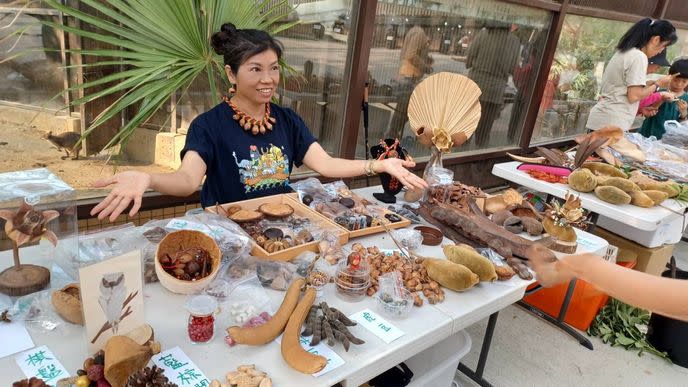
163,47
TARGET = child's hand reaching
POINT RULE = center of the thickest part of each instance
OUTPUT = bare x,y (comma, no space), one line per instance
667,96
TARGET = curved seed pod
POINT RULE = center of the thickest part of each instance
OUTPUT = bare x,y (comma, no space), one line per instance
267,332
292,352
310,321
342,328
342,317
327,328
317,331
343,339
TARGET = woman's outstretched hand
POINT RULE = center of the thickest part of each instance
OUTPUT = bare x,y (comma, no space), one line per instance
128,186
397,168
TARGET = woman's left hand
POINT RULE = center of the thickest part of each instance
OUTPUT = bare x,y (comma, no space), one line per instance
682,107
397,168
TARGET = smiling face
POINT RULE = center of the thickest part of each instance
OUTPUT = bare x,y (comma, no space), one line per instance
257,78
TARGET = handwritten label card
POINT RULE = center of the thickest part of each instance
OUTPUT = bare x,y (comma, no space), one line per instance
180,369
41,363
333,360
378,325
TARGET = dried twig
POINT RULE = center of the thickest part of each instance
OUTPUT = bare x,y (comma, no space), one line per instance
126,313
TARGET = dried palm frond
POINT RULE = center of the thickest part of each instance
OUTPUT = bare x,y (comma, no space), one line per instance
444,110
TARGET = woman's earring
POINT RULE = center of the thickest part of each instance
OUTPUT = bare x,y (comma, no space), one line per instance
232,89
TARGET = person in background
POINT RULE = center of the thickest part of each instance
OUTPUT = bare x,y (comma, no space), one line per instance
246,146
624,79
666,296
491,58
415,62
654,64
670,109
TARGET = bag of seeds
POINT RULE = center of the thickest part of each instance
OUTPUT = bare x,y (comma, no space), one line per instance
246,300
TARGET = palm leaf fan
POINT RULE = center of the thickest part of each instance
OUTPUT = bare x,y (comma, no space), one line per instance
444,110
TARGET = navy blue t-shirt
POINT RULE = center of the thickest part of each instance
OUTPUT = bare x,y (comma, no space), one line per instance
241,165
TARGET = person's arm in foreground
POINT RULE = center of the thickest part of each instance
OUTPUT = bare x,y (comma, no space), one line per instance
318,160
665,296
129,186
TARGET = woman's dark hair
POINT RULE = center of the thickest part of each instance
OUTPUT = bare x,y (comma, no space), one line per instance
237,45
641,33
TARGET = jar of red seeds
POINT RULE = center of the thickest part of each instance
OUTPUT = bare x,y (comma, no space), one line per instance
201,325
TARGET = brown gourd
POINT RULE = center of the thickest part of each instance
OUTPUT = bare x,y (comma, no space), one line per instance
604,169
657,196
612,195
267,332
475,262
292,352
618,182
582,180
640,199
451,275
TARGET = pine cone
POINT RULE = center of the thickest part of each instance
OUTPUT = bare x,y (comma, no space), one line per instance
149,377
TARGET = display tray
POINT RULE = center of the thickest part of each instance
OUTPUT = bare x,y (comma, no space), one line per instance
301,210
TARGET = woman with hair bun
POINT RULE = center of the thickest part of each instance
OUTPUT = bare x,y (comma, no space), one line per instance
624,80
246,146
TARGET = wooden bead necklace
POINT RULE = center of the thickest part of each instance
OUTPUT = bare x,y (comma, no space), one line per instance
249,123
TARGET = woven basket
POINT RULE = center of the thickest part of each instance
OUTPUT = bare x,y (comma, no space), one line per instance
184,239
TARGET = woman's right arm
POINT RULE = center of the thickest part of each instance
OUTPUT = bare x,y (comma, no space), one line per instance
130,186
638,93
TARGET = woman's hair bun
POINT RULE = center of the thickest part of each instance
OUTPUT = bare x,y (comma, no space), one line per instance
219,39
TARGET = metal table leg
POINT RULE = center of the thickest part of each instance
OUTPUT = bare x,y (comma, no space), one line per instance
477,375
559,321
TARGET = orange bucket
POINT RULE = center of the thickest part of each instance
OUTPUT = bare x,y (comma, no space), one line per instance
586,301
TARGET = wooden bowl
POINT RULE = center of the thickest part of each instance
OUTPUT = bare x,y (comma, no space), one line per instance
431,236
184,239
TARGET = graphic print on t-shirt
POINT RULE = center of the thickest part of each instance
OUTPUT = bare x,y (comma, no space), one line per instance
266,168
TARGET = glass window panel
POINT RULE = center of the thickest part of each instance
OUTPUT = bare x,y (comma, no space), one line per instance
585,46
498,45
316,50
35,77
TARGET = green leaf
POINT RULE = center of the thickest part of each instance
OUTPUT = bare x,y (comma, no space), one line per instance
162,47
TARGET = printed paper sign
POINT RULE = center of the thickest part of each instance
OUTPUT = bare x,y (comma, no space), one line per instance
15,338
180,369
41,363
322,349
378,325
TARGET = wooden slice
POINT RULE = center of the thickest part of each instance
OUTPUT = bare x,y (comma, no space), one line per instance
24,280
276,210
243,216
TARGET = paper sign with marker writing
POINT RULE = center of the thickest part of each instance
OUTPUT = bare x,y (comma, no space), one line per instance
41,363
180,369
333,360
378,325
181,224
